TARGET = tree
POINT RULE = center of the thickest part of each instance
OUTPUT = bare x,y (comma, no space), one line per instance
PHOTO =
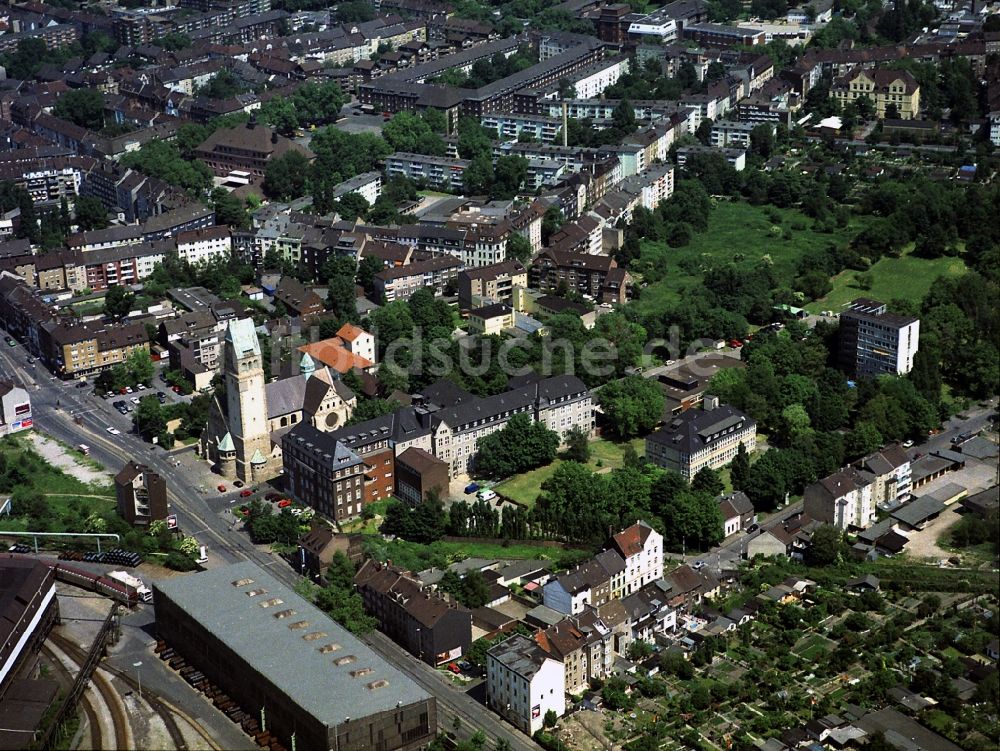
577,445
118,302
229,209
632,405
691,520
523,444
148,419
739,470
762,141
477,178
518,248
826,545
286,177
351,206
139,366
83,107
471,590
707,480
550,718
412,133
623,117
90,213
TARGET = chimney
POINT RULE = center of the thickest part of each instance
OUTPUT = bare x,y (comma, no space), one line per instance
565,134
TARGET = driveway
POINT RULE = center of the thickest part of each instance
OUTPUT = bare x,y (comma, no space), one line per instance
924,544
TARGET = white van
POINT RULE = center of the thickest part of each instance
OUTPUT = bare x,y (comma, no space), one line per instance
486,494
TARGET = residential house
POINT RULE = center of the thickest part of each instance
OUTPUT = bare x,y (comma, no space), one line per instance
141,494
524,683
495,283
426,623
737,512
641,547
491,320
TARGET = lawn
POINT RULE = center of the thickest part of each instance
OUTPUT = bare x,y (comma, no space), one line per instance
907,277
736,231
68,501
525,488
416,557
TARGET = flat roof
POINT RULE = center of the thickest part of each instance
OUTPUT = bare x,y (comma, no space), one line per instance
291,643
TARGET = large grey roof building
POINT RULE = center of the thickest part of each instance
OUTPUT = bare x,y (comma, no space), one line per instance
702,438
270,649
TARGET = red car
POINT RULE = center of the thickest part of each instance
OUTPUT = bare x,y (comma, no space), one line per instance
122,391
221,488
246,493
455,669
735,343
176,389
284,503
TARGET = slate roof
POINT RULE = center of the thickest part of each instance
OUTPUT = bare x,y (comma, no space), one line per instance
691,431
918,510
520,655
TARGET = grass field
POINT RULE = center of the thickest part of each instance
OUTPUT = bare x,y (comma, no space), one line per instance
736,231
906,277
440,554
526,488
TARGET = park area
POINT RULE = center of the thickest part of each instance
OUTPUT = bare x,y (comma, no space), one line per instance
737,231
906,278
605,455
740,231
826,649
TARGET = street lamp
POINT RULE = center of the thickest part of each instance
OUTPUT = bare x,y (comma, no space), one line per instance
138,676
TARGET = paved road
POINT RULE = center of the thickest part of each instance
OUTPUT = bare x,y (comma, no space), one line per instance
198,515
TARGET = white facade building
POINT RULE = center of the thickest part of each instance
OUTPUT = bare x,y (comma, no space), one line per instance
641,547
204,245
15,409
523,683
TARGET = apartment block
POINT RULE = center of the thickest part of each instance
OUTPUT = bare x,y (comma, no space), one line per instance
709,437
874,342
400,282
424,622
205,245
495,282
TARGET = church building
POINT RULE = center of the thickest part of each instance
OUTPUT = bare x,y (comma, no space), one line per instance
243,437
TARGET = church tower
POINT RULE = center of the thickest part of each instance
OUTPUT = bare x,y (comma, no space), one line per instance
246,400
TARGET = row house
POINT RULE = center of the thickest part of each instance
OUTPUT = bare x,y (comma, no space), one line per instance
583,235
428,624
632,559
649,613
584,645
848,498
400,282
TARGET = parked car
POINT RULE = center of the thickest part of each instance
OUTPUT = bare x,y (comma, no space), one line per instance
471,488
455,669
128,389
907,444
237,483
176,389
81,384
735,343
10,341
487,494
284,503
246,493
698,565
272,497
753,528
221,488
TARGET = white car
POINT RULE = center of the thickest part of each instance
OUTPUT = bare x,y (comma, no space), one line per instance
114,431
135,400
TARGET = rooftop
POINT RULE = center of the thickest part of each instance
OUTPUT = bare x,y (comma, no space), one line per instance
245,608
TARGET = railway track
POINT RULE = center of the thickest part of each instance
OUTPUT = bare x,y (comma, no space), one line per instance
77,654
63,648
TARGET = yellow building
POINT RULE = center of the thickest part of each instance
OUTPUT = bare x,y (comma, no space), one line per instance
883,86
491,320
83,349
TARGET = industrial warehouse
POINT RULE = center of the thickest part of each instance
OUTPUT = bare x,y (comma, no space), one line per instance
314,684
